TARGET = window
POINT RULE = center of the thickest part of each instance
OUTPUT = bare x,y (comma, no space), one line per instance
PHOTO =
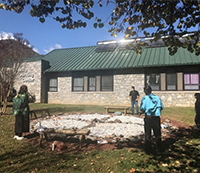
191,81
92,84
78,84
171,81
106,83
154,81
53,85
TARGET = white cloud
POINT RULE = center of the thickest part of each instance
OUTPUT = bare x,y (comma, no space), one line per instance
28,45
35,50
5,35
46,51
56,46
49,50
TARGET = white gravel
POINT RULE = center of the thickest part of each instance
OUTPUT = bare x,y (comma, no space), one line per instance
130,126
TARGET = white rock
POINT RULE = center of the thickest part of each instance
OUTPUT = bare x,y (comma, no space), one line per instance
130,126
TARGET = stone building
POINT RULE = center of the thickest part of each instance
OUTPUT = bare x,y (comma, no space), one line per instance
104,74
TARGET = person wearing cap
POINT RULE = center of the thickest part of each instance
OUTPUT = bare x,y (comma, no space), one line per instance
134,96
152,105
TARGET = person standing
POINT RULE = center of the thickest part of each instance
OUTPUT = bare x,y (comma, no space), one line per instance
21,112
197,110
134,96
152,105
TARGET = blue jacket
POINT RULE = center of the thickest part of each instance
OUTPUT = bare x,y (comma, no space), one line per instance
151,105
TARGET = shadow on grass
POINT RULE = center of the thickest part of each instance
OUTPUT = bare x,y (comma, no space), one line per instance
180,151
183,147
31,159
180,141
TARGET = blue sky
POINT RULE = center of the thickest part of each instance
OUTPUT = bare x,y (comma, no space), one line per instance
47,36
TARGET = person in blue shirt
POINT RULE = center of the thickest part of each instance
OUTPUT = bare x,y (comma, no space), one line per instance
151,105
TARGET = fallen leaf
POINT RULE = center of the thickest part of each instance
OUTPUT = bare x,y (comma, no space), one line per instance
195,171
132,170
164,164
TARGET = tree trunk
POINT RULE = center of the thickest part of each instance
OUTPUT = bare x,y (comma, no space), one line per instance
5,102
3,110
1,98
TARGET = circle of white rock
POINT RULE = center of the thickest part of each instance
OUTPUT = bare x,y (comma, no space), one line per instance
101,126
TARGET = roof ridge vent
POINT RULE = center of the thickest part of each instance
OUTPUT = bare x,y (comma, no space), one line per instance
105,46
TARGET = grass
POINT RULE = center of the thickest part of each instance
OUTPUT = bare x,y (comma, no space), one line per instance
183,114
181,151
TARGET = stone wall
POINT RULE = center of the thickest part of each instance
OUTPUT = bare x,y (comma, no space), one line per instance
31,72
120,95
177,98
30,75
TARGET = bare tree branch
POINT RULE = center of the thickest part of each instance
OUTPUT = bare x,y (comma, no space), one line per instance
12,54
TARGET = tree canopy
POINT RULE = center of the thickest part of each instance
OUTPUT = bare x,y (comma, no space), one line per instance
168,20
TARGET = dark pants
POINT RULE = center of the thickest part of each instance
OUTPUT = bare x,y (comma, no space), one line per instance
197,120
152,123
19,121
26,122
21,124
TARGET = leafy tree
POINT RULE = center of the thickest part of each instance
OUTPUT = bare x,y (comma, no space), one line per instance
168,20
12,53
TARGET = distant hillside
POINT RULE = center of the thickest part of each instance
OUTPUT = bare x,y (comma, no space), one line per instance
13,44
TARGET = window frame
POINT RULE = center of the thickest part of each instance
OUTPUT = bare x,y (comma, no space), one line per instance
95,87
152,86
184,85
112,82
168,82
54,86
73,89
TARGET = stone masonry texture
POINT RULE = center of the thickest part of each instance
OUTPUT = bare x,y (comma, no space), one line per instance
30,75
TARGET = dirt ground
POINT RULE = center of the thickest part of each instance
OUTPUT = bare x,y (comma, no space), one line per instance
72,144
178,124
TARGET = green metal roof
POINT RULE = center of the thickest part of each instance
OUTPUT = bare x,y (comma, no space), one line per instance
33,58
86,58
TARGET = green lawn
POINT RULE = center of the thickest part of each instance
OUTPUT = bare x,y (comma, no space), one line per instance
183,114
181,151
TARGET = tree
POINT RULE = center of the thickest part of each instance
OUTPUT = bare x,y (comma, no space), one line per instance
169,19
12,53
